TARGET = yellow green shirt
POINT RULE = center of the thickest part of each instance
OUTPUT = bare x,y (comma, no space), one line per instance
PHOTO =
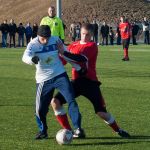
55,25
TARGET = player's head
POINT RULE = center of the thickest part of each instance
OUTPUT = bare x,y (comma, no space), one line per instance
51,11
44,34
86,32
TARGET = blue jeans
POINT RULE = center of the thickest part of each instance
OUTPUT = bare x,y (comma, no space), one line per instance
21,40
4,40
44,95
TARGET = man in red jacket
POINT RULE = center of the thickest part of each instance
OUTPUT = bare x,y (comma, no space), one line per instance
86,84
125,30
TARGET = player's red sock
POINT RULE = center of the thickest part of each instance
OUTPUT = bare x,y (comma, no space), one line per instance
112,123
63,121
114,126
125,53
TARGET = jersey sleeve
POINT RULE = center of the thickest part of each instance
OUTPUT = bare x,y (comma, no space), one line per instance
28,54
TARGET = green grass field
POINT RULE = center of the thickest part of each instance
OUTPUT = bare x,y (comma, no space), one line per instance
125,86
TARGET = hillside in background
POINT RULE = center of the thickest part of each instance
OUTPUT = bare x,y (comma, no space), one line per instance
73,10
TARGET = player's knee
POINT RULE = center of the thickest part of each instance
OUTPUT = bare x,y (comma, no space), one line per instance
103,115
55,103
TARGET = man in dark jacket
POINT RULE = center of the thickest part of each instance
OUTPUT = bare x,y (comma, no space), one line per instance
12,32
28,32
95,27
105,33
135,30
4,30
21,32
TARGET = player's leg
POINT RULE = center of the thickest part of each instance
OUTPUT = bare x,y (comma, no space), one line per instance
65,88
126,43
60,113
93,93
43,95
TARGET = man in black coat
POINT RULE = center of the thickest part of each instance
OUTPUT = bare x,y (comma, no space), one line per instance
105,33
135,30
12,32
4,30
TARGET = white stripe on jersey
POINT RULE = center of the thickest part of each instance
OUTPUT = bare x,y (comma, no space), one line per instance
38,97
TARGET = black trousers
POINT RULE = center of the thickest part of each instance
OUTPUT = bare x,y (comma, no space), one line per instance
12,36
146,37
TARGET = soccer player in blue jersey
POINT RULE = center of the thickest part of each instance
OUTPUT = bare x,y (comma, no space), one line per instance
50,74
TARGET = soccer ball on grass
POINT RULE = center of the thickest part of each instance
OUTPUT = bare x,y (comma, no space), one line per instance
64,137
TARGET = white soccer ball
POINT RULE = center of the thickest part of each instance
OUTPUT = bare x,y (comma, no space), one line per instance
64,136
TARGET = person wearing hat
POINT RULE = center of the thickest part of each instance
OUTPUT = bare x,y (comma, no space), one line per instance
43,51
55,23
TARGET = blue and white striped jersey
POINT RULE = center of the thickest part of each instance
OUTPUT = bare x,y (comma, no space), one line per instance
49,65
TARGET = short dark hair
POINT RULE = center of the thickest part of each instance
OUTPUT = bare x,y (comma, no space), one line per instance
88,27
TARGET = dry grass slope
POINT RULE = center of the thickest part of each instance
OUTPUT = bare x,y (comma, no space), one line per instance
34,10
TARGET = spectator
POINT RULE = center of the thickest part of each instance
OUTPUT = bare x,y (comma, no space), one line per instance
118,35
4,30
111,36
78,29
145,25
21,32
28,33
12,32
95,27
35,30
105,33
73,31
135,30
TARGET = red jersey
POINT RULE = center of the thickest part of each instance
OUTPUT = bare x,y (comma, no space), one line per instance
90,50
125,30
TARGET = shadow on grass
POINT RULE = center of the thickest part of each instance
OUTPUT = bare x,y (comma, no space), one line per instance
109,143
133,139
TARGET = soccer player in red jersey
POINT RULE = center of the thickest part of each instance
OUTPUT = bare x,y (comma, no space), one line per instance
125,30
86,83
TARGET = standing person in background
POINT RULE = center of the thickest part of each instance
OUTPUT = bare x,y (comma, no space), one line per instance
73,31
105,33
145,25
12,32
21,32
78,30
95,27
54,23
135,30
35,30
111,36
4,30
118,35
28,32
125,30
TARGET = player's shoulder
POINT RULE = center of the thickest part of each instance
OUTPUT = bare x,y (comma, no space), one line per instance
45,18
54,38
33,44
92,44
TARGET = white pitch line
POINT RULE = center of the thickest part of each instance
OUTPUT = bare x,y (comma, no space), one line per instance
137,50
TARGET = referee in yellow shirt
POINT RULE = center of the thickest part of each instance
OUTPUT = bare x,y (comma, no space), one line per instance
54,23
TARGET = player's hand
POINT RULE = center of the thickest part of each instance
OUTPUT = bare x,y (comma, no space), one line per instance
60,46
35,59
82,72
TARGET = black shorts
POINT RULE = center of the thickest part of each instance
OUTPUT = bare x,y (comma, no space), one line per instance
90,89
126,43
